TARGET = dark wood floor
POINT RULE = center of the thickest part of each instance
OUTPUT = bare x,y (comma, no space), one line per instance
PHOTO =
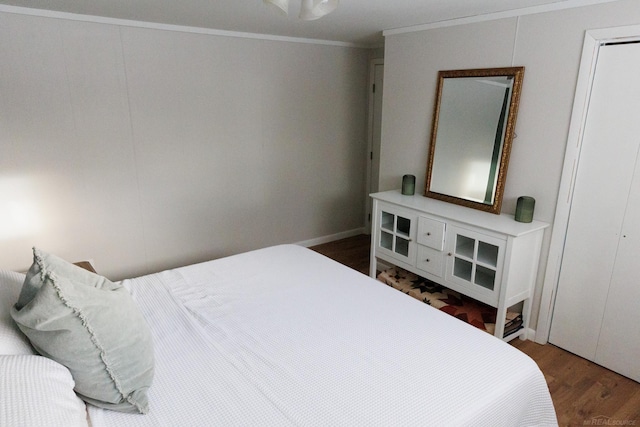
352,252
583,393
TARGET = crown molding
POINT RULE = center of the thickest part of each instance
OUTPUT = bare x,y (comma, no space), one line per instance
550,7
169,27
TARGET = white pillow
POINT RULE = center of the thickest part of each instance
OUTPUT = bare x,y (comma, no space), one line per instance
12,340
37,391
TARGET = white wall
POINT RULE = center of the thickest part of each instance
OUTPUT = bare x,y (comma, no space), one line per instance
548,45
145,149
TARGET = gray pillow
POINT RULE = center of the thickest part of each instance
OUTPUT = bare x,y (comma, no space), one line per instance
93,327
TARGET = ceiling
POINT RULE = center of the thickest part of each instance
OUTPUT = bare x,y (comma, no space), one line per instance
358,22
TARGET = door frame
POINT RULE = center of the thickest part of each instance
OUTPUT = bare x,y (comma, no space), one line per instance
372,148
594,39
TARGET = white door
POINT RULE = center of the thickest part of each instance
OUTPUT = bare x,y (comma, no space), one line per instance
597,306
375,125
619,344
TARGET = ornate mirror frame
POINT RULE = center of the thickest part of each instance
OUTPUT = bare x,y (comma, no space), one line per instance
497,161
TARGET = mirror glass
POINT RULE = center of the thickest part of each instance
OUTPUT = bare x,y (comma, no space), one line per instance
472,131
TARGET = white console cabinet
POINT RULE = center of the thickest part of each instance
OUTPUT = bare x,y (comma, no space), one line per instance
490,258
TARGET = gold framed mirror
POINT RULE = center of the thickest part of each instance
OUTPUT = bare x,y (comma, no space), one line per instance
472,131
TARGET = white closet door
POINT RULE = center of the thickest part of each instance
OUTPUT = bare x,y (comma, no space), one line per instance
603,185
619,343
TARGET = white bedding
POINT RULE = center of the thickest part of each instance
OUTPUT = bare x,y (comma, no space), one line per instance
284,336
36,391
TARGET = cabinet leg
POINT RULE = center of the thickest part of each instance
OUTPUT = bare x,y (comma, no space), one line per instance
372,267
501,316
526,316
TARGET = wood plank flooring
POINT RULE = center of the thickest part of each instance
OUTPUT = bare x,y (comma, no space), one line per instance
352,252
583,393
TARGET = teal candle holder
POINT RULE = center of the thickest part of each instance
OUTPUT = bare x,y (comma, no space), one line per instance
524,209
408,185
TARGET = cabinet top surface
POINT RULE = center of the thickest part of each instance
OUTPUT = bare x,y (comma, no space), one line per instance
503,223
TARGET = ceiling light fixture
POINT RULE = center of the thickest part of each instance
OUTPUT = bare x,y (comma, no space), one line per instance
309,9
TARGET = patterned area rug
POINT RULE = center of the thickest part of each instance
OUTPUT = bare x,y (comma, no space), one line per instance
480,315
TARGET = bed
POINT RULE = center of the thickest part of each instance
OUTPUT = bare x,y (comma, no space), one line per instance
285,336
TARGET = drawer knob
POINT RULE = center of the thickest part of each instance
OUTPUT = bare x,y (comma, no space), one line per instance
427,260
428,234
449,254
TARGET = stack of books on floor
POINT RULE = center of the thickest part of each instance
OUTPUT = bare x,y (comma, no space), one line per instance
514,323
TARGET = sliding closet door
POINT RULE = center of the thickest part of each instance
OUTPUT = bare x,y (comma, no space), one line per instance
597,308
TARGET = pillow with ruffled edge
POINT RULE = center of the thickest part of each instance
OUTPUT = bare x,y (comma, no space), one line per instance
93,327
12,341
37,391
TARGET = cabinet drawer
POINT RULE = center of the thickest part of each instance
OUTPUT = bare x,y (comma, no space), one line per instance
431,233
430,260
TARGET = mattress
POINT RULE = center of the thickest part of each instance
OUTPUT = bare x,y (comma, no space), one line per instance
285,336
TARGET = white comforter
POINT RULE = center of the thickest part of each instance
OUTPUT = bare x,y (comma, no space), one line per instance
284,336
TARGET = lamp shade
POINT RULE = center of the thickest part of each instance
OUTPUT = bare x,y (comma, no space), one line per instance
314,9
283,5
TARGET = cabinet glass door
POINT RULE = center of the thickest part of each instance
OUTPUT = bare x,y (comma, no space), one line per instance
475,263
395,233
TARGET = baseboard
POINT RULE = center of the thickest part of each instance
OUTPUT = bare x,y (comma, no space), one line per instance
530,334
332,237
